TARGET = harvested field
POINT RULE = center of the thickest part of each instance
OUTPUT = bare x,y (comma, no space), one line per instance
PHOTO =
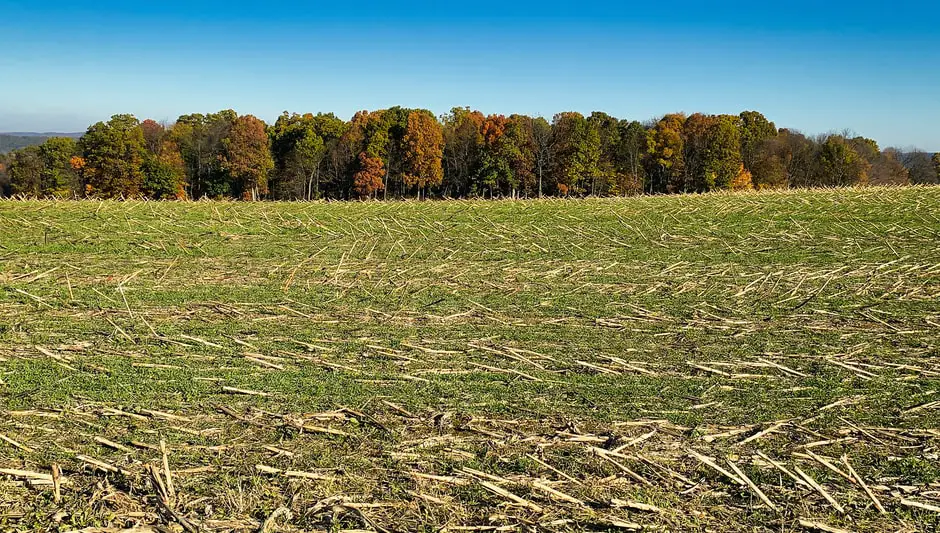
726,362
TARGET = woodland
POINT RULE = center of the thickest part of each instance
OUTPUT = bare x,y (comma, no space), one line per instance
411,153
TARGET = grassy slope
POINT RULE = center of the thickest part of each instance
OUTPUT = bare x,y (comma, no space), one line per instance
491,322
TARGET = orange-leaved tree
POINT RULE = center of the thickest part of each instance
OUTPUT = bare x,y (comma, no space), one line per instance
496,173
424,151
368,180
246,157
154,132
743,181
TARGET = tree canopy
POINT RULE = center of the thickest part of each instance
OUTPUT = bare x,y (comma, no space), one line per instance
401,152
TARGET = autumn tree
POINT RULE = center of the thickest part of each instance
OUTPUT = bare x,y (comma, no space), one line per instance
165,172
399,151
840,164
631,151
790,159
45,169
798,156
576,153
606,178
246,157
543,150
697,131
712,153
920,168
771,164
375,132
509,160
199,138
297,151
394,124
463,148
665,166
507,156
58,176
495,173
78,165
742,180
723,163
368,180
154,132
521,150
424,145
114,153
885,166
756,132
369,132
301,145
25,170
344,160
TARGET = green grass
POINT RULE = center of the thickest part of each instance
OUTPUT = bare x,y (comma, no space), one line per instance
507,329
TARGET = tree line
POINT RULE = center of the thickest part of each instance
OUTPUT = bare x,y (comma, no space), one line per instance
399,152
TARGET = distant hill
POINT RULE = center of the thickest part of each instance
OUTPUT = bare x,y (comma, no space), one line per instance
44,134
15,140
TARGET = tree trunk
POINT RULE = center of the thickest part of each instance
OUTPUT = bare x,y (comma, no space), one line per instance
540,180
317,183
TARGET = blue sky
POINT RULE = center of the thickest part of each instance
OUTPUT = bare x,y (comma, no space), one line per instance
870,67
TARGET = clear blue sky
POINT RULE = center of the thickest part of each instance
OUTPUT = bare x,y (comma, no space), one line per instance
817,66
